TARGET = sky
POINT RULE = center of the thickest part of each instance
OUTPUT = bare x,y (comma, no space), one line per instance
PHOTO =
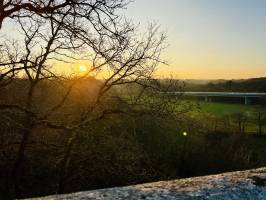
209,39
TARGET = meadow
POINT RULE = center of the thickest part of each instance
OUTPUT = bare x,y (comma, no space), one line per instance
231,116
222,109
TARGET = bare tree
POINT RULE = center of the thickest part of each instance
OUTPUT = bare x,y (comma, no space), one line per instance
18,8
241,119
40,47
66,31
259,119
85,20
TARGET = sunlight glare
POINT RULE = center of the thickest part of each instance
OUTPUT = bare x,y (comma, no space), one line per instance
83,68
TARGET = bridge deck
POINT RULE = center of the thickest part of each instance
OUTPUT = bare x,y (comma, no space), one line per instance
222,94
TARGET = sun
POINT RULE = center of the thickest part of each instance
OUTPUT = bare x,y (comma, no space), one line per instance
83,68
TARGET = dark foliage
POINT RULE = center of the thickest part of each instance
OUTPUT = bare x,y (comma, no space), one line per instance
248,85
118,149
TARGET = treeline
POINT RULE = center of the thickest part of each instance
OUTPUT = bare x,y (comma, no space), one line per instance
74,141
248,85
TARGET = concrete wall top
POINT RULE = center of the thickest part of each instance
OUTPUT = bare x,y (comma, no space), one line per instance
250,184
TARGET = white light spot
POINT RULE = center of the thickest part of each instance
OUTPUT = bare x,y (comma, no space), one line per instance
83,68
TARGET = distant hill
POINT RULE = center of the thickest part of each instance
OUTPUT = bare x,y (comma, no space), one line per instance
196,81
243,85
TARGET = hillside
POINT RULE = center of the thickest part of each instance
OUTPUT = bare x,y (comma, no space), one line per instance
243,85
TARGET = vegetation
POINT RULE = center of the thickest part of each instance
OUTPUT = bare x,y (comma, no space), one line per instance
122,148
38,101
114,123
249,85
226,116
221,109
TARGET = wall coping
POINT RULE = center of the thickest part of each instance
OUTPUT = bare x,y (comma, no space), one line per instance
249,184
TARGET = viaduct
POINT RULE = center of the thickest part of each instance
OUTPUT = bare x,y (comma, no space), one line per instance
208,95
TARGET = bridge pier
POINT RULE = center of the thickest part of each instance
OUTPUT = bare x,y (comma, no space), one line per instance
209,96
207,99
247,101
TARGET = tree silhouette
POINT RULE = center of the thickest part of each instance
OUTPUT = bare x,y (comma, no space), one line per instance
67,31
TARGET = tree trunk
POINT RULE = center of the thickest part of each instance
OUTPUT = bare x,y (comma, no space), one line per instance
27,128
239,126
259,123
65,163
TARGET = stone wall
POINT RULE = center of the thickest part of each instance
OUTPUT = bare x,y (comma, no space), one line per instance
248,184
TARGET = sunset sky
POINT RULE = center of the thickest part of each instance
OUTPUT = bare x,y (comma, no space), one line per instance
209,39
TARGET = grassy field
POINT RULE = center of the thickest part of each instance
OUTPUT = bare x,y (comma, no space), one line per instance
221,109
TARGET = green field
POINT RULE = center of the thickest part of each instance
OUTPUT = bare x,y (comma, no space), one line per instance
220,112
221,109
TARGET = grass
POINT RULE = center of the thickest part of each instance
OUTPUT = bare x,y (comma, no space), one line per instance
221,109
